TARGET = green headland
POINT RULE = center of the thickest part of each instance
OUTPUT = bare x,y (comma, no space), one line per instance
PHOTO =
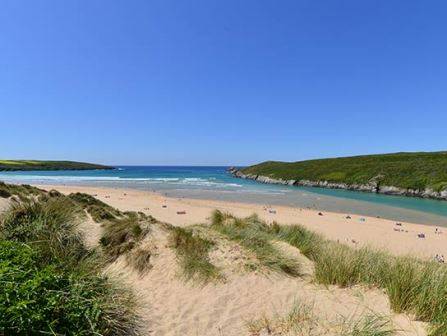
23,165
414,174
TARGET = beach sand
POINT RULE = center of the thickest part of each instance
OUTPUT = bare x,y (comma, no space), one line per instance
357,231
172,307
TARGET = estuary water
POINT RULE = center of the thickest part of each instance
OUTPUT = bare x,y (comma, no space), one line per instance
215,183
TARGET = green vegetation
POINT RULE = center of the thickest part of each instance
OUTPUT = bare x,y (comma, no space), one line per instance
253,234
302,320
405,170
122,231
48,225
413,286
14,165
22,191
51,283
370,325
121,235
99,210
140,259
192,253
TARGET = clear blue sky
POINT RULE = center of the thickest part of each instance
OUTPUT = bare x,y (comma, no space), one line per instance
221,82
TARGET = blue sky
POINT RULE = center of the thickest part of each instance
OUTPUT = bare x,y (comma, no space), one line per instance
221,82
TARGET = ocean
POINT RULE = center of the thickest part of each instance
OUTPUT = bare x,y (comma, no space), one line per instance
215,183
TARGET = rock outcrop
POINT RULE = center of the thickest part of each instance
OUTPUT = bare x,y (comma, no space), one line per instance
373,186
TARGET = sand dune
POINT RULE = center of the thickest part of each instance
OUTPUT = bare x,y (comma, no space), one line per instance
172,306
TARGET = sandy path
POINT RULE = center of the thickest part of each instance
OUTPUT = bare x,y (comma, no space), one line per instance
376,232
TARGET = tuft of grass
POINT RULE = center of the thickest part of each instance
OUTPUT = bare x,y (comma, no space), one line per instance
369,325
254,235
192,254
217,217
122,235
302,320
99,210
140,260
308,242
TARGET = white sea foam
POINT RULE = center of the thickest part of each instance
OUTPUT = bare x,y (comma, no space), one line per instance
193,181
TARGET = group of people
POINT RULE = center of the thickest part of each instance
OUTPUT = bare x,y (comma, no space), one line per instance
439,258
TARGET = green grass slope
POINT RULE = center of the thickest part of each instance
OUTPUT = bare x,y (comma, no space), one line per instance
405,170
12,165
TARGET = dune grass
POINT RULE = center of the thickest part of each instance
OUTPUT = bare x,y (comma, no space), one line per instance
22,191
369,325
122,235
99,210
51,283
140,259
303,320
192,254
48,225
300,320
413,286
253,234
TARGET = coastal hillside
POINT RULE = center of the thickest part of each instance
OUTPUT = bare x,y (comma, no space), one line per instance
413,174
15,165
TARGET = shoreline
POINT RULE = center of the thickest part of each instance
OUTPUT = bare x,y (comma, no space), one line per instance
373,187
355,231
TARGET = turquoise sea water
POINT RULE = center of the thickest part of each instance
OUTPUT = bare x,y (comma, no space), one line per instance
216,183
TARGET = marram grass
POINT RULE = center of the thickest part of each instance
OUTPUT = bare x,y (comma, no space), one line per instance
253,235
413,285
192,253
51,283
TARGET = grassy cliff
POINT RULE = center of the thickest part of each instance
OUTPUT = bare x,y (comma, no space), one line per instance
47,165
403,170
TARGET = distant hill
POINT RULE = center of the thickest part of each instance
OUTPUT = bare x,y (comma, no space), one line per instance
420,174
22,165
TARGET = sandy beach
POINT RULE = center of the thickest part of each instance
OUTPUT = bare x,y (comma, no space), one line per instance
171,307
356,231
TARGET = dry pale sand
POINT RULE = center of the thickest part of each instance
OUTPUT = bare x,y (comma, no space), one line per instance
375,232
4,203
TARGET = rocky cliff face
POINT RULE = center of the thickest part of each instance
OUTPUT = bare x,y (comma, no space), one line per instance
373,186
